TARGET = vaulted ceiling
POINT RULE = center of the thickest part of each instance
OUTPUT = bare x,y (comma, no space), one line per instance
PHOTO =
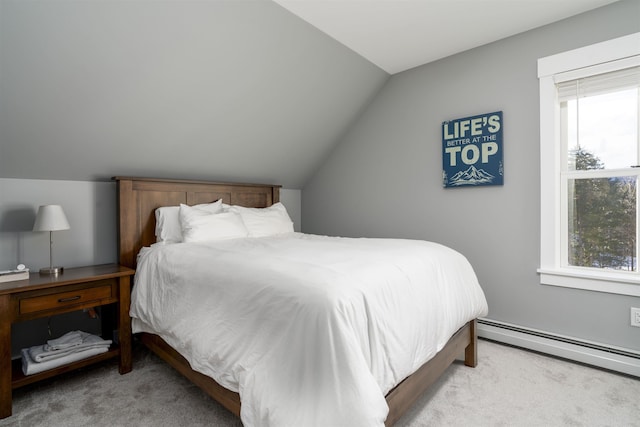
219,89
400,34
223,90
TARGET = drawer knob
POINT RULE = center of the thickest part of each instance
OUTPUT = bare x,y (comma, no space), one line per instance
69,299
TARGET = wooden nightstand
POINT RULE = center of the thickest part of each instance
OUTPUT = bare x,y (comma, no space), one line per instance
75,289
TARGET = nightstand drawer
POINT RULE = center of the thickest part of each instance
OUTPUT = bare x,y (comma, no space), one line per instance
63,299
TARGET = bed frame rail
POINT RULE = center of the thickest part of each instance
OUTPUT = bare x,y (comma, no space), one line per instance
408,391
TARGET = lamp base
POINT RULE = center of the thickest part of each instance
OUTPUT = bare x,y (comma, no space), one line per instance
51,271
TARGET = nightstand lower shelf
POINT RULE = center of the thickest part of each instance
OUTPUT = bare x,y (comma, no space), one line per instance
19,379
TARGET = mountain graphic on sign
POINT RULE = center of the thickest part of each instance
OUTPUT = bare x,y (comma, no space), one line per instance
471,176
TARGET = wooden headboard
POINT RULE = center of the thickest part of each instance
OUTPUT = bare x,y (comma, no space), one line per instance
138,199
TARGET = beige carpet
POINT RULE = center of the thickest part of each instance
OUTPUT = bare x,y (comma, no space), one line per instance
510,387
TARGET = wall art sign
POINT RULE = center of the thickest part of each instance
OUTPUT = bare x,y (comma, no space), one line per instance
472,151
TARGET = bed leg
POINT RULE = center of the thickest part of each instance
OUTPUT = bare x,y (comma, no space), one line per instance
471,351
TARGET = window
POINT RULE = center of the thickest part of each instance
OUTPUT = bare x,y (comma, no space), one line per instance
590,167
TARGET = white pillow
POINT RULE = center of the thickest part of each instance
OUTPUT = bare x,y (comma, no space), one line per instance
202,226
168,227
262,222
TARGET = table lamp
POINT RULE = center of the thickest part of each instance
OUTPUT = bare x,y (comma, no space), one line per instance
51,218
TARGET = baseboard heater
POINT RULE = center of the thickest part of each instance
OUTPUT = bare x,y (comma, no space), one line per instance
608,357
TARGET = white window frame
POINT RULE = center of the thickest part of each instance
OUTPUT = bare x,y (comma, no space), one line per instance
595,59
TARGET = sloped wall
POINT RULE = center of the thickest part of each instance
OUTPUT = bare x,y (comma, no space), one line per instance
221,90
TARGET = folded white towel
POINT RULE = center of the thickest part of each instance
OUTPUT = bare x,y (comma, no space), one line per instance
39,353
30,367
70,339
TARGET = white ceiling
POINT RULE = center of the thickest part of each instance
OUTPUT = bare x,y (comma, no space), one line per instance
400,34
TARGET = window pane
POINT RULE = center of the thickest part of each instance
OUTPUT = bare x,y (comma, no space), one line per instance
602,223
606,127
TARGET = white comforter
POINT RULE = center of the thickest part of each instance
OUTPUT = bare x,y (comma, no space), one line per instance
310,330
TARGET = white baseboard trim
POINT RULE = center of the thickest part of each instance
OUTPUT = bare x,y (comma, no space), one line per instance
591,353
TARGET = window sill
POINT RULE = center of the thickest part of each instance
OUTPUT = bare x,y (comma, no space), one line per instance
606,281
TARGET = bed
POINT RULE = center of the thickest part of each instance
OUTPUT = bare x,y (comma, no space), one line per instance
138,198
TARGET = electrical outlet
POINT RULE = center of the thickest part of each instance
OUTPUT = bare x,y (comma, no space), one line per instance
635,317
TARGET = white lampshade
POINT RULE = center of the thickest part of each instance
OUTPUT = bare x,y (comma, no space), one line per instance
50,218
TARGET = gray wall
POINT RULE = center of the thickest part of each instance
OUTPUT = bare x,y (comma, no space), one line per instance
227,90
90,208
384,179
